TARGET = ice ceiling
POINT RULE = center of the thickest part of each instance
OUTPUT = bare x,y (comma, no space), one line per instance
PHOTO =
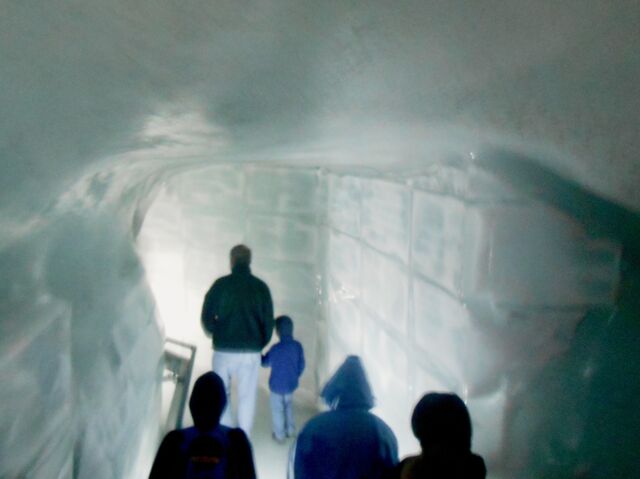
313,80
108,108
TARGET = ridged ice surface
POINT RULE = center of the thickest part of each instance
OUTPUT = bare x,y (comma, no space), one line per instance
80,354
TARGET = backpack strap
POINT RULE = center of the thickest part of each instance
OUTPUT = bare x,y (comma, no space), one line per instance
240,456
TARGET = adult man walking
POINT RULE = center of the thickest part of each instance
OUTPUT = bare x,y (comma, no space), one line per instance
238,313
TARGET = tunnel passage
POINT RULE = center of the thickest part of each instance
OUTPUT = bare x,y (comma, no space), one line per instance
453,279
450,279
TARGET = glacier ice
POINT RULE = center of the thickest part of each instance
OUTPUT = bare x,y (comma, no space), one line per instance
80,360
139,144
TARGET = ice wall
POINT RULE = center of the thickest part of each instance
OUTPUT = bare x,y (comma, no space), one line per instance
80,348
365,83
449,280
201,214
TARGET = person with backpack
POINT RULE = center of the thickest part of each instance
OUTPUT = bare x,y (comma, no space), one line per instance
286,360
207,450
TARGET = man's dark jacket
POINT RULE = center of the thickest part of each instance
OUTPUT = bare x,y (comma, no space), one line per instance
238,312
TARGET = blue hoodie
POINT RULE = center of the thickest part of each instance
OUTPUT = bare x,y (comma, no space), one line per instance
347,442
286,359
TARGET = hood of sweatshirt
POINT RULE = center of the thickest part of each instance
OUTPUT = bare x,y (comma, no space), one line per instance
284,326
208,400
349,387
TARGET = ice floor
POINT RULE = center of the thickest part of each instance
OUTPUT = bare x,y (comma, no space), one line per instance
271,458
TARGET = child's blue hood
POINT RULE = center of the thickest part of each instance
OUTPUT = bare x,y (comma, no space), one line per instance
284,326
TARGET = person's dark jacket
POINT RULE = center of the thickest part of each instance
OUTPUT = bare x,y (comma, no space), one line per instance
238,312
286,359
207,443
348,442
465,466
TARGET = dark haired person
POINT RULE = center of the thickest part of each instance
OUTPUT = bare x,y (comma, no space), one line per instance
206,450
238,313
441,423
347,442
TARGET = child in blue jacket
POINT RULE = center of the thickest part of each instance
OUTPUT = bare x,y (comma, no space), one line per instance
286,359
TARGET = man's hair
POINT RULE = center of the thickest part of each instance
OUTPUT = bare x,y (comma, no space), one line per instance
240,254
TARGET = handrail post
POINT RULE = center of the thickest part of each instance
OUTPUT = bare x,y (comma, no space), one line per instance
181,370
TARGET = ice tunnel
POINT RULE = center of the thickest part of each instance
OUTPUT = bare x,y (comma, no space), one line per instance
447,189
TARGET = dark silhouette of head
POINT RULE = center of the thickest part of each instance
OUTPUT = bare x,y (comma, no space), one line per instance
441,422
284,326
240,255
208,400
349,387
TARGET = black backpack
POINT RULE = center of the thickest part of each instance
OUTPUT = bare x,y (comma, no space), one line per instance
206,456
213,454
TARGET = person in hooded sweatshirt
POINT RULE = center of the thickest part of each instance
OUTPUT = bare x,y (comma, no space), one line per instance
208,449
286,360
441,423
347,442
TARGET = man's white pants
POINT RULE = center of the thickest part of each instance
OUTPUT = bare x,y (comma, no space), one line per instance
243,369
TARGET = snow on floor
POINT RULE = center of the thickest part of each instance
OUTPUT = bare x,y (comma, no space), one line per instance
271,457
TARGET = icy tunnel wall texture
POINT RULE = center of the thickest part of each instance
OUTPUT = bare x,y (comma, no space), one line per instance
451,281
80,349
201,214
79,78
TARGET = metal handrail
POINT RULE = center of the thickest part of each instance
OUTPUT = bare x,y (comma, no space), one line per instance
180,369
